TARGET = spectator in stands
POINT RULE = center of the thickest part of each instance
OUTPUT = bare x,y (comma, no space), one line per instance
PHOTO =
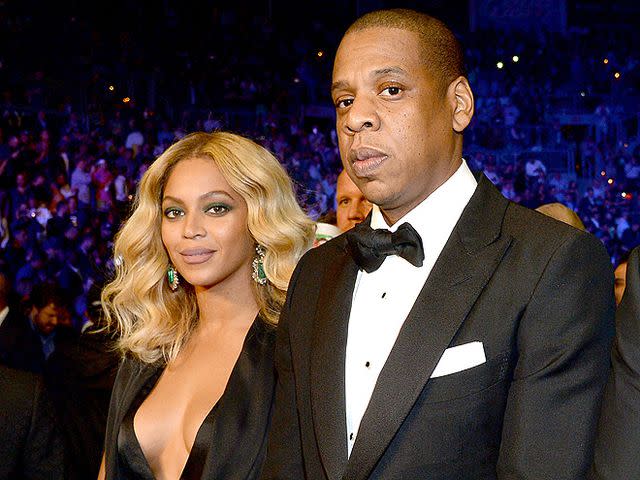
562,213
30,442
46,307
533,168
351,205
620,277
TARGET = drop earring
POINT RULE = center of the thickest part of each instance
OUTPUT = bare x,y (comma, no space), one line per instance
258,274
172,277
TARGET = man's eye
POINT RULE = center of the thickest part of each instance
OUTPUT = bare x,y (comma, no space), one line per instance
344,103
172,213
391,91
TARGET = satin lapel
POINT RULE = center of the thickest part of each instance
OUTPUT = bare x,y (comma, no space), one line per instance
141,372
327,363
464,267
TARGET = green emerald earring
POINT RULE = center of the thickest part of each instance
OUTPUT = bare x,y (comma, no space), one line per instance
172,276
258,274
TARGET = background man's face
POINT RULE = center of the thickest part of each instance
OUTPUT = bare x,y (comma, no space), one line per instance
352,206
394,123
620,275
46,318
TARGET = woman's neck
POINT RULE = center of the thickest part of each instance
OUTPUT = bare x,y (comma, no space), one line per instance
226,305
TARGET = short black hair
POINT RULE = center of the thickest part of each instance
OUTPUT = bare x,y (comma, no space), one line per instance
46,293
442,51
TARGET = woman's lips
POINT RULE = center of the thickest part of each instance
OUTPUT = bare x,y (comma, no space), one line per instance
194,256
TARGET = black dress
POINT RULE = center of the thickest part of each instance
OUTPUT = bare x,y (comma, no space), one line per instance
231,442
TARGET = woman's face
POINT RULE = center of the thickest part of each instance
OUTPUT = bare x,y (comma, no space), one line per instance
204,226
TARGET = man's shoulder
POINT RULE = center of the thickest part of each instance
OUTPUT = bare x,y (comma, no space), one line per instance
543,234
325,252
19,388
313,265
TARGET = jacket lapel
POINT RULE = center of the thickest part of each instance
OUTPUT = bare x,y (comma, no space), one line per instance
327,362
141,373
464,267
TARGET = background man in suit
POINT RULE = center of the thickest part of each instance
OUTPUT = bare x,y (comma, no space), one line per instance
18,347
30,444
470,339
351,205
617,453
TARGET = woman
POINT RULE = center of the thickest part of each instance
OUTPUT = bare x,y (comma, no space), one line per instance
203,264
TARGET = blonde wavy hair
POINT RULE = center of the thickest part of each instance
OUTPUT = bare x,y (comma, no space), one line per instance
154,322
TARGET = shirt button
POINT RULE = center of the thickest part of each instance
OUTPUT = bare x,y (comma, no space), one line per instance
384,294
351,436
368,364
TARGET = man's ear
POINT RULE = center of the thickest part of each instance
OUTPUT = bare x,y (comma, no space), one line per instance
460,91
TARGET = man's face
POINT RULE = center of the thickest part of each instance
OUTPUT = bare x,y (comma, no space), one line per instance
46,318
620,275
352,206
393,120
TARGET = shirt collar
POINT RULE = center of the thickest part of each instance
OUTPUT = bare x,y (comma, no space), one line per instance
440,210
3,314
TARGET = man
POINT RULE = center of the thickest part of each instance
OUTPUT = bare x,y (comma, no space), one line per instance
30,443
620,277
18,348
617,445
479,347
351,205
47,305
79,378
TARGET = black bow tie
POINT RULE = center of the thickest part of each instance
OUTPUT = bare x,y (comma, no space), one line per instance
370,247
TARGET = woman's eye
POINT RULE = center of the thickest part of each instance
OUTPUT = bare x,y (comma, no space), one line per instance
218,209
172,213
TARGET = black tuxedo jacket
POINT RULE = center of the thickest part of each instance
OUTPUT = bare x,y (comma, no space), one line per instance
20,346
617,454
537,293
30,444
79,376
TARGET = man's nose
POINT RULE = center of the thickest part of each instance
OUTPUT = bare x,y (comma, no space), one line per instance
362,115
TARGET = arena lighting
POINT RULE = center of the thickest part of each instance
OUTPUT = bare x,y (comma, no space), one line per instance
499,65
320,53
626,145
610,181
111,88
126,100
296,80
603,173
605,61
623,194
617,75
515,58
582,94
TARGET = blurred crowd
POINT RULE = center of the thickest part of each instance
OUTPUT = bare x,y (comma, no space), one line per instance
555,122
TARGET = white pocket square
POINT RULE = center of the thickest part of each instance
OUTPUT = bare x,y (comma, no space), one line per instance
458,358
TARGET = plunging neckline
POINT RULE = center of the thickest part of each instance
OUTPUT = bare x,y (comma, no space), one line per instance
194,464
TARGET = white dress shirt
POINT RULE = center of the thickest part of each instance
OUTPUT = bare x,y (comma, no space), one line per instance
3,314
382,299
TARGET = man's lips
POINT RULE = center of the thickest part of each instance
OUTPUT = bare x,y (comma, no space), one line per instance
366,159
195,256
